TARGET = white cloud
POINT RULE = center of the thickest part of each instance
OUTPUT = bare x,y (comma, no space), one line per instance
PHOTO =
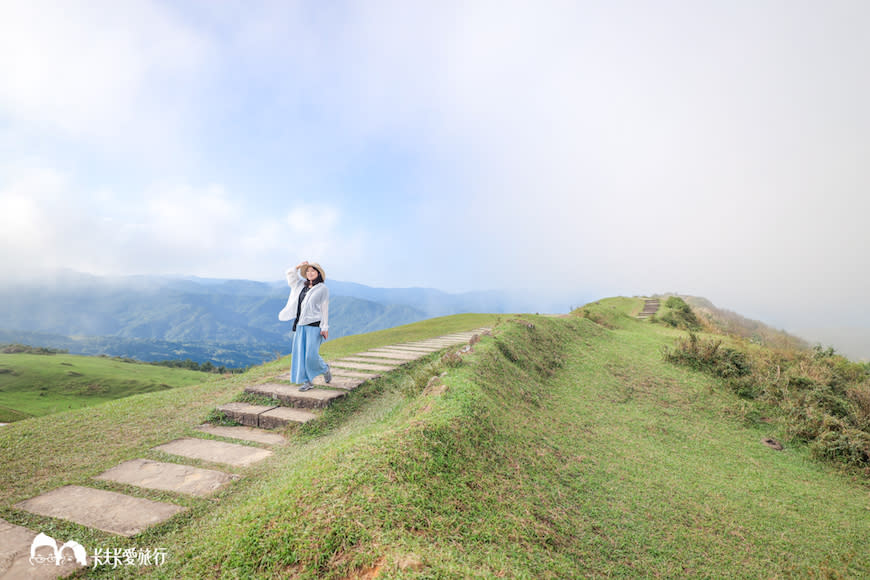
47,221
310,219
113,74
641,148
625,147
25,229
188,219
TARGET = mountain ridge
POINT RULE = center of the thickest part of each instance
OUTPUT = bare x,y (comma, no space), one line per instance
229,322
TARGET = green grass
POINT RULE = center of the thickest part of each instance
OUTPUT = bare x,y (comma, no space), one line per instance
32,385
559,448
407,333
45,452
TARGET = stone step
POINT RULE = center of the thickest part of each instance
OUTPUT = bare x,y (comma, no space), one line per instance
354,374
389,356
264,417
291,396
168,477
437,343
360,366
215,451
283,416
650,307
252,434
15,555
397,352
339,382
245,413
339,373
370,360
424,350
108,511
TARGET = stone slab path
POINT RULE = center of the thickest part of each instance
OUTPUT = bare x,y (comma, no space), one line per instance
344,373
281,416
15,554
349,364
108,511
245,413
423,350
293,397
125,515
650,307
243,434
390,355
348,373
215,451
168,477
364,358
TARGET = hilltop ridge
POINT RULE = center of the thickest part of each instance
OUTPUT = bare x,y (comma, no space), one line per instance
557,447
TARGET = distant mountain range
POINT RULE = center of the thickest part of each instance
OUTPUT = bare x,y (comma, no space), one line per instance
229,322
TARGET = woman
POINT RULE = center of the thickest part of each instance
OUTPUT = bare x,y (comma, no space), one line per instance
308,308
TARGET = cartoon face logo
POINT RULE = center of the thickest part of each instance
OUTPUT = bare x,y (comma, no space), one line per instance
79,554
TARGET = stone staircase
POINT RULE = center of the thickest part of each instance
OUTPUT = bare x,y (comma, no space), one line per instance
290,405
126,515
650,307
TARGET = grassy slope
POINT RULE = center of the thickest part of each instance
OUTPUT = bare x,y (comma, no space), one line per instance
43,453
568,449
33,385
406,333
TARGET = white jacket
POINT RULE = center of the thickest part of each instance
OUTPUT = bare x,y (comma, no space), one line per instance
315,305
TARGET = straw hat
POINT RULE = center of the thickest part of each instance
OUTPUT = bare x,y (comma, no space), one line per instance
304,268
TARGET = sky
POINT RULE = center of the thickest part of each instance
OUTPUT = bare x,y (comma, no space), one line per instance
565,151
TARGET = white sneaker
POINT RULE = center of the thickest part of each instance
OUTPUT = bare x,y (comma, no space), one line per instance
327,376
306,386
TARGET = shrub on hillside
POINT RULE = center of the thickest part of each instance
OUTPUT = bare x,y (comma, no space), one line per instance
849,446
27,349
824,397
859,396
708,355
678,314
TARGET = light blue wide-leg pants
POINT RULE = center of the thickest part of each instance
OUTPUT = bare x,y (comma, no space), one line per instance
306,362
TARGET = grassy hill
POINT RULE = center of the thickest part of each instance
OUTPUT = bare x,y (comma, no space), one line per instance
33,385
561,447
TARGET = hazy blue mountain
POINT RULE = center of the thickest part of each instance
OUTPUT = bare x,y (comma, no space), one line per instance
229,355
222,320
